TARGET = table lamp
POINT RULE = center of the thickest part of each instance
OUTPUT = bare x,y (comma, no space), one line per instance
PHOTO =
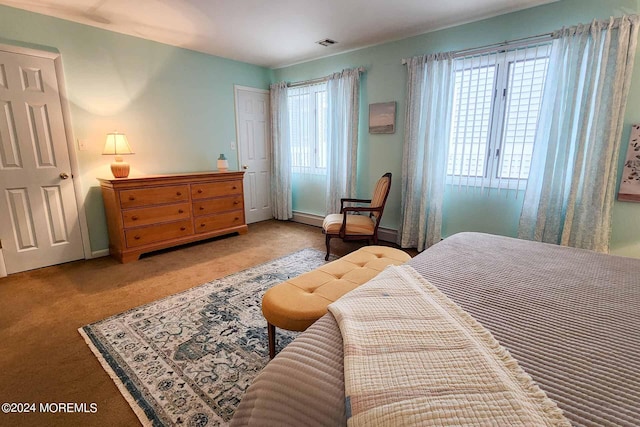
118,145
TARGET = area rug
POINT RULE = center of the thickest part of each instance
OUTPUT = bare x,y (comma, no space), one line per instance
187,359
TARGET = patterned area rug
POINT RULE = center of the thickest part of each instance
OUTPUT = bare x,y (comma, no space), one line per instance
188,358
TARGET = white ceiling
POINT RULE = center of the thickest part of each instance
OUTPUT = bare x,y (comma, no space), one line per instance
272,33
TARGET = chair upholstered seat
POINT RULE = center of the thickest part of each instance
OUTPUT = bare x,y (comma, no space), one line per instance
297,303
356,224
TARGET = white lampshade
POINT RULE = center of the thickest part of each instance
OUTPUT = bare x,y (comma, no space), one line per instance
117,144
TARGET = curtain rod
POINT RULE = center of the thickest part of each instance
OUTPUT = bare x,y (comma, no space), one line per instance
309,82
507,43
319,79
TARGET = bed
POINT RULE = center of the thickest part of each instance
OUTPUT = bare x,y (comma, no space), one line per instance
570,317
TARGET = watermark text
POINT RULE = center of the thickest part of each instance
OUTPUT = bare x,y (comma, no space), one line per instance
50,407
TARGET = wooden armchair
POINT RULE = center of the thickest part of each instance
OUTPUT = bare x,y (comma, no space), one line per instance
361,226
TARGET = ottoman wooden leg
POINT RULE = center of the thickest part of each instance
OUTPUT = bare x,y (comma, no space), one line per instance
271,332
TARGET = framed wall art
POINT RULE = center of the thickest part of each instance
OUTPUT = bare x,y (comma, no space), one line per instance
630,181
382,117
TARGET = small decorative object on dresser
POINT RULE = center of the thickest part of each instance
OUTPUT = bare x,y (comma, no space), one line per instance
223,163
160,211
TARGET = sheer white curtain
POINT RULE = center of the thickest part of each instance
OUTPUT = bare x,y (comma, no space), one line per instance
570,193
430,85
343,100
281,156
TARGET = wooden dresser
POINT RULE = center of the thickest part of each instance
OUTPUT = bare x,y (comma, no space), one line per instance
156,212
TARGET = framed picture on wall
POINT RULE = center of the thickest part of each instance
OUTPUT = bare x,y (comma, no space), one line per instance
382,117
630,181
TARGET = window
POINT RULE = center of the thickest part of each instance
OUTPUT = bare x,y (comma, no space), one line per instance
496,106
308,128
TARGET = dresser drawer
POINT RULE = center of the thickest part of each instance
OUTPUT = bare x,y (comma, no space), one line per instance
158,233
215,189
208,207
219,222
155,215
153,196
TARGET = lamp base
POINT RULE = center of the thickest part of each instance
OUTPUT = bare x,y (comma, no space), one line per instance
120,169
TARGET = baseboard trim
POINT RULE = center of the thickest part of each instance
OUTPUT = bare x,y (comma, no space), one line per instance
386,234
99,253
309,219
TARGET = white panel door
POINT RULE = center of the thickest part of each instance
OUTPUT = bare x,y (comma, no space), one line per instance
252,118
38,213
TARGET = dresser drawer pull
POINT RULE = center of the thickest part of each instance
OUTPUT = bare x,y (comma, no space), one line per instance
202,225
183,228
134,218
180,211
131,198
136,237
236,202
236,218
234,187
178,193
199,191
201,208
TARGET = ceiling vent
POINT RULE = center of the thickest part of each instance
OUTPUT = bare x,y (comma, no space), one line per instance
326,42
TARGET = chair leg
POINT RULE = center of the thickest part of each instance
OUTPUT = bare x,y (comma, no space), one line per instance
327,239
271,332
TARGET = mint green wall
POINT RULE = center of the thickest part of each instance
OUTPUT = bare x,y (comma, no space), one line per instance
385,80
176,106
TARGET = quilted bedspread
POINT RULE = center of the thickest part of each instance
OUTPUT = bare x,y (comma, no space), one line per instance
414,357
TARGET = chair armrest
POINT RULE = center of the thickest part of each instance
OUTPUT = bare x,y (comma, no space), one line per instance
361,209
356,200
350,200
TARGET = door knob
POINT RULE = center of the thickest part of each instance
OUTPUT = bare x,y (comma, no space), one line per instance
64,175
245,167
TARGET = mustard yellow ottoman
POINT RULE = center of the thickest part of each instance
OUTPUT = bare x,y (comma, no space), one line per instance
297,303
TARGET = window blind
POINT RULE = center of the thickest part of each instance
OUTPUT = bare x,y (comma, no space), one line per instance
497,98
